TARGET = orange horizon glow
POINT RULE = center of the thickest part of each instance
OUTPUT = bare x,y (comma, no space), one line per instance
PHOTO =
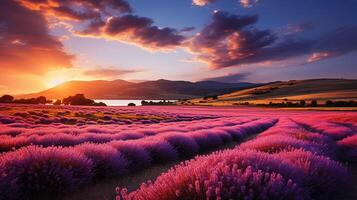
55,82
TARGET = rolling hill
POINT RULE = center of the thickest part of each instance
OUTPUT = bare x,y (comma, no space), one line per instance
294,90
120,89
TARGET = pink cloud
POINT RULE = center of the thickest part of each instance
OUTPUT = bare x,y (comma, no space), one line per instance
318,56
135,30
26,43
248,3
202,2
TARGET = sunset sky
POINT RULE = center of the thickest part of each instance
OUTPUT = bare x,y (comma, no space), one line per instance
46,42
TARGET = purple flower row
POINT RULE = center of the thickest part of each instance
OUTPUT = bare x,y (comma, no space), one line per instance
34,171
285,162
49,135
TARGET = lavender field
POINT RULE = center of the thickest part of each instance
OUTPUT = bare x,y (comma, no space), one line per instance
50,152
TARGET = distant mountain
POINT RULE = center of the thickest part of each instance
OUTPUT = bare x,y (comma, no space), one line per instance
120,89
294,90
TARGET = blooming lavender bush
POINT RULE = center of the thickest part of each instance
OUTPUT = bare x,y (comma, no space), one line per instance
233,174
333,130
325,177
160,151
32,172
279,142
348,149
107,161
185,145
291,156
136,155
65,135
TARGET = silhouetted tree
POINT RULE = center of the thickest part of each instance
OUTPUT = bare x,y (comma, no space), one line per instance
6,99
313,103
329,103
38,100
131,104
152,103
302,102
41,100
57,102
99,104
78,99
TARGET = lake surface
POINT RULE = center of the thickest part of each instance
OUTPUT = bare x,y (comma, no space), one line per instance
125,102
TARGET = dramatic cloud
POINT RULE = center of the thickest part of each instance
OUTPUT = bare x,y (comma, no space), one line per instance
230,78
202,2
244,3
231,40
336,43
136,30
318,56
109,19
78,9
248,3
110,72
25,43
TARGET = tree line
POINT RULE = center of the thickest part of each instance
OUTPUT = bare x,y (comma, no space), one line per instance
313,103
78,99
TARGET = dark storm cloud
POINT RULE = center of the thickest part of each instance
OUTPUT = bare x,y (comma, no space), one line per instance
231,40
224,24
25,43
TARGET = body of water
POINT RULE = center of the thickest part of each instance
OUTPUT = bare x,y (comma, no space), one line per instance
125,102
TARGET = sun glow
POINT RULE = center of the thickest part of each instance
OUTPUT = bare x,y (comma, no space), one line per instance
54,82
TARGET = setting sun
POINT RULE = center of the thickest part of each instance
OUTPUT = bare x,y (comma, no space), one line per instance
54,82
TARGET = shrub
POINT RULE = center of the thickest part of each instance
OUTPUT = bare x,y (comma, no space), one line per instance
325,178
160,150
107,161
302,103
206,139
313,103
137,156
279,142
231,174
184,145
6,99
33,172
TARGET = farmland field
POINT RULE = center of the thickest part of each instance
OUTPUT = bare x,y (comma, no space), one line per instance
176,152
